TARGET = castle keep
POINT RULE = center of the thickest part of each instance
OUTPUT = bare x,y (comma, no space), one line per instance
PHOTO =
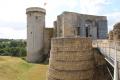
76,47
70,24
70,59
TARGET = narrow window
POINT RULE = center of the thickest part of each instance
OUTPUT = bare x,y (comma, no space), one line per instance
78,31
36,17
86,31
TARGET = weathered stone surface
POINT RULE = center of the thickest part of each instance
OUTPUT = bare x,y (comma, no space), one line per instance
111,35
98,57
72,58
72,65
70,24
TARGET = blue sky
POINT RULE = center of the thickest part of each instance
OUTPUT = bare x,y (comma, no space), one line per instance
13,17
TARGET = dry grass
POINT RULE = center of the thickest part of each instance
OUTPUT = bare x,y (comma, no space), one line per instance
12,68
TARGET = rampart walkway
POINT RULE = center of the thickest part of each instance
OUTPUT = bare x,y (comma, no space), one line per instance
111,52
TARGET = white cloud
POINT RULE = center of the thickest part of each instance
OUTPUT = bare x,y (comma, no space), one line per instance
12,34
13,13
93,6
113,18
13,17
56,7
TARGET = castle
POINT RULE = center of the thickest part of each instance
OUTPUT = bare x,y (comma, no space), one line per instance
68,24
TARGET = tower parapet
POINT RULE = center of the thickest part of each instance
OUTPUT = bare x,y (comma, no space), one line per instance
35,9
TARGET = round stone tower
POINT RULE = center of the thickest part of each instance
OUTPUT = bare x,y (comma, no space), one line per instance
35,33
71,59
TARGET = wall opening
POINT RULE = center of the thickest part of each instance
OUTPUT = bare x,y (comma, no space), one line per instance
86,31
78,31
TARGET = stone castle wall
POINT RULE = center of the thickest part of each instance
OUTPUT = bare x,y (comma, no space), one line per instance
48,34
71,59
70,24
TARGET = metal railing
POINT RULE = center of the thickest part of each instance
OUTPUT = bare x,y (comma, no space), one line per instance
111,51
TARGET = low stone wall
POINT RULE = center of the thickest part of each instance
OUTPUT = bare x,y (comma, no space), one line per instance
71,59
48,34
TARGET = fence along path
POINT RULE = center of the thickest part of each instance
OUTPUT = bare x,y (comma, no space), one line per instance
111,52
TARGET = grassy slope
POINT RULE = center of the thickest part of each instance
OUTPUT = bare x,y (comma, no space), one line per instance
12,68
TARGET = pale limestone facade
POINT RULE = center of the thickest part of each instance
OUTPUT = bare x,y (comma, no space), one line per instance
35,33
38,37
71,24
68,24
70,59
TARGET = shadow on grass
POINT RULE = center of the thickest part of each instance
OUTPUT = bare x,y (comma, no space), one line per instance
46,62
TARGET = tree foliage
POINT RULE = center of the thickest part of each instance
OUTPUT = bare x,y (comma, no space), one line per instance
10,47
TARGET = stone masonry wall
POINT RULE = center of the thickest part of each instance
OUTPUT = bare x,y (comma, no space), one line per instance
70,24
48,34
111,35
71,59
